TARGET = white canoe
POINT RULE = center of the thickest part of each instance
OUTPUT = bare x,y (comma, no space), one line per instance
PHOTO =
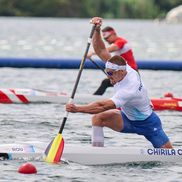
18,95
89,155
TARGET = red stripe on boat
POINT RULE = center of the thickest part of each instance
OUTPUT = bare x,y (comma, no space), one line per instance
59,152
166,104
4,98
20,97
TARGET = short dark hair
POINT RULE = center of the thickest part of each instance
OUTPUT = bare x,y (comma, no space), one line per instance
107,29
117,60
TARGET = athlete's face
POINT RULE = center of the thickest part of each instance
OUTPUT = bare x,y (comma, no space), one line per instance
115,76
109,39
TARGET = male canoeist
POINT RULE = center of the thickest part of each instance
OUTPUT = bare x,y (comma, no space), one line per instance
117,46
136,115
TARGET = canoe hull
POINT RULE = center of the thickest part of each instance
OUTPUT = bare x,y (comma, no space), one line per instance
88,155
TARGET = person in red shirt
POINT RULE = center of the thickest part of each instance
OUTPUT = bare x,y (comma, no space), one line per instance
118,46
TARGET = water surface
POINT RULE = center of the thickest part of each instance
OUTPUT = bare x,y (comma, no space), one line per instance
31,37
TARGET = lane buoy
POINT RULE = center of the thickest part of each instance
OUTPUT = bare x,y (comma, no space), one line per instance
27,168
168,94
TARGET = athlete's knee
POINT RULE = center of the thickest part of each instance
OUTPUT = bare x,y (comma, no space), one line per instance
97,120
167,145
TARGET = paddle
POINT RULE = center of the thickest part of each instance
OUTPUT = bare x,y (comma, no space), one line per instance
54,150
99,67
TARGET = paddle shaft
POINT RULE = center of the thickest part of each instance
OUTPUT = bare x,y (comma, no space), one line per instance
99,67
78,77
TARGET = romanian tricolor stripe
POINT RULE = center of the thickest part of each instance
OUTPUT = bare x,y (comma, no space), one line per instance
55,149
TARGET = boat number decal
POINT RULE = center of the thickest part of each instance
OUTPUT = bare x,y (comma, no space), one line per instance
17,149
29,148
164,151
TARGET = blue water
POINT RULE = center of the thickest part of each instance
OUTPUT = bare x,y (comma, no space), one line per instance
67,38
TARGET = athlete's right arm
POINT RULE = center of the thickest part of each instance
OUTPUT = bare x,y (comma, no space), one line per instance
98,43
92,108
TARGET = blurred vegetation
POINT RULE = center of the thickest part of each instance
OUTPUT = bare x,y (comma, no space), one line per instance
88,8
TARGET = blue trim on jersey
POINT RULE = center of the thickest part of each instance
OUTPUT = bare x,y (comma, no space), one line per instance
151,128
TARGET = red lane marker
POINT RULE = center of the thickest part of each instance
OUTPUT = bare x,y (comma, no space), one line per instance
4,98
20,97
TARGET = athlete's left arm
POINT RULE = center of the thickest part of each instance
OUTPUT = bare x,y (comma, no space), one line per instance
92,108
113,48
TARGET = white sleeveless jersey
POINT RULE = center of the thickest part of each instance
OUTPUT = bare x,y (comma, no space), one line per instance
131,95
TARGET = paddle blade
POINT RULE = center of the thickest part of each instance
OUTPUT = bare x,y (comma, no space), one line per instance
54,150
